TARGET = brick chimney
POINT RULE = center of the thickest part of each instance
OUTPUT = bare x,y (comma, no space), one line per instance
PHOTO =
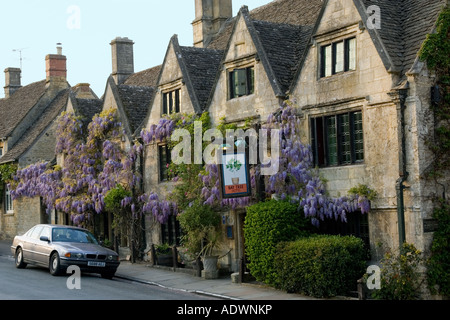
210,15
56,66
12,81
122,59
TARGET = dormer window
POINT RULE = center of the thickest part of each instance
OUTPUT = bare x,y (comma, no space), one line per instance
171,102
242,82
337,57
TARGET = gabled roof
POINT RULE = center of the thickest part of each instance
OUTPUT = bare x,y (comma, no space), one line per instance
32,134
199,67
133,97
281,31
404,27
292,12
17,106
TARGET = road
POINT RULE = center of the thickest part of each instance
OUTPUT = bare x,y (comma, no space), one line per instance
36,283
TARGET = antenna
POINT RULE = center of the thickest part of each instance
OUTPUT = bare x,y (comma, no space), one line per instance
20,55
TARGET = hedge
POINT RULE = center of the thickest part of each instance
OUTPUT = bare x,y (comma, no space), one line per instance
321,265
267,224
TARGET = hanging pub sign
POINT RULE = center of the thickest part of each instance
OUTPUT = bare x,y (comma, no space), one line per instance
235,177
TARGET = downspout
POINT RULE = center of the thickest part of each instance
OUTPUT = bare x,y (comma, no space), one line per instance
400,97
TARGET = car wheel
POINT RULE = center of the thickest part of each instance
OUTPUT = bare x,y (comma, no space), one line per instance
55,265
19,259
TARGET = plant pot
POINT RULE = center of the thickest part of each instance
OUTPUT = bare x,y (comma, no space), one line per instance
210,270
164,260
235,181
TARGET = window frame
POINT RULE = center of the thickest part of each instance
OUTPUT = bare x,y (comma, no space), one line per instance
249,73
164,159
347,57
322,139
171,102
8,201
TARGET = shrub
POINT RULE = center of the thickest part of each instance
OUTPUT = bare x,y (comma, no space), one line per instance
320,266
439,262
400,278
267,224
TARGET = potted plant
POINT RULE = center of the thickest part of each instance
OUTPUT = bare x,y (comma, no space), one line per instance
202,235
164,255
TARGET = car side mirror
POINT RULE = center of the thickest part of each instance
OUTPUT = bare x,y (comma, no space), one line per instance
44,238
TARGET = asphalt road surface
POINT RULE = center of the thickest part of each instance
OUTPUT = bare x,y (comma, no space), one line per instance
36,283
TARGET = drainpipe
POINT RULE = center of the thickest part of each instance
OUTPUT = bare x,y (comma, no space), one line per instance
399,96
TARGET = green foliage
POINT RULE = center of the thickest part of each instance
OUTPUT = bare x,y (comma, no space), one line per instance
267,224
7,172
400,277
201,226
321,265
439,262
114,198
436,52
113,204
363,190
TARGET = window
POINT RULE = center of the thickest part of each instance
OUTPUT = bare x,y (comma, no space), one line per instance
338,57
242,82
8,200
171,102
164,161
171,231
337,139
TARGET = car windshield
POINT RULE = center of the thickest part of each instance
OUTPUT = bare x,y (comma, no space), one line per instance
72,235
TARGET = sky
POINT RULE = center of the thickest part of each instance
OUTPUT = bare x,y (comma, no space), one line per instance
31,29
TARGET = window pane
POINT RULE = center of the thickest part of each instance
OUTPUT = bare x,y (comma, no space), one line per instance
251,80
8,200
328,60
240,82
331,141
164,111
352,54
164,160
339,66
344,139
358,136
177,101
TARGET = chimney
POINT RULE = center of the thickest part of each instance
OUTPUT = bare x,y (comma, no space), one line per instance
210,15
122,59
12,81
56,66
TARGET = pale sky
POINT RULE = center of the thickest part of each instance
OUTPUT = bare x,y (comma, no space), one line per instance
85,28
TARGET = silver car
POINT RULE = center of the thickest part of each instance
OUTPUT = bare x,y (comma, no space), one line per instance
58,247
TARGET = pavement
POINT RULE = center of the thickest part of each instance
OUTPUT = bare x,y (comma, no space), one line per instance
222,288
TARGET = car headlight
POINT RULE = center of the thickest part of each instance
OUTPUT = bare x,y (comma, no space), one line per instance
112,257
75,255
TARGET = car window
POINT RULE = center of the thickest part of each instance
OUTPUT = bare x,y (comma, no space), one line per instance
29,232
45,232
36,232
72,235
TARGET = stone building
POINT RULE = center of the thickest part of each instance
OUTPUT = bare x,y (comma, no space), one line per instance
362,92
27,135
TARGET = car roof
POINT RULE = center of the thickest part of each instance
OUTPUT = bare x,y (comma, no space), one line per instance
59,226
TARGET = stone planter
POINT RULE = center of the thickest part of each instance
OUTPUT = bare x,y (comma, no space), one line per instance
164,260
210,270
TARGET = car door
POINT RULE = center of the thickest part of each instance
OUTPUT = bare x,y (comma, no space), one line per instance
28,245
42,249
32,241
